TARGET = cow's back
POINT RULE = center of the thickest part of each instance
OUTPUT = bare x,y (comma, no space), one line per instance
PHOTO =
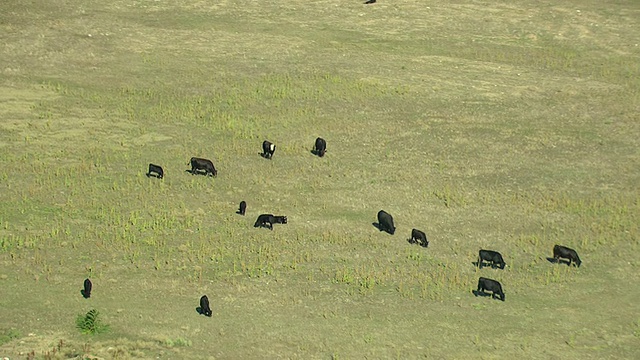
385,222
320,146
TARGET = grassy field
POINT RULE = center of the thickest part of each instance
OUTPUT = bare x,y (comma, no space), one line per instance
505,125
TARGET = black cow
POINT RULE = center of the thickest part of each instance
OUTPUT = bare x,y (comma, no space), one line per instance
564,252
198,164
370,2
157,169
320,147
268,149
204,306
494,258
385,222
243,208
86,292
490,285
265,220
419,237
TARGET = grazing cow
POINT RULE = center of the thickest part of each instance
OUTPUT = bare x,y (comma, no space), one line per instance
385,222
279,219
564,252
268,149
320,147
490,285
204,306
370,2
198,164
243,208
419,237
494,258
157,169
86,292
265,220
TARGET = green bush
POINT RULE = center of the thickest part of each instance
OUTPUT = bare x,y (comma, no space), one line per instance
91,323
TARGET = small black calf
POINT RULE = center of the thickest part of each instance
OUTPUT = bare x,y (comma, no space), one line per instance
204,306
494,258
385,222
419,237
564,252
268,149
265,220
320,147
86,292
157,169
243,208
198,164
490,285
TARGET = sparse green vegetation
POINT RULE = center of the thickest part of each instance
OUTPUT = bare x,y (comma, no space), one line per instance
9,335
91,323
511,126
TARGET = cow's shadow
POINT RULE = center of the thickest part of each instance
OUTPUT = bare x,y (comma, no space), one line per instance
196,172
265,155
483,265
199,311
558,261
481,293
377,226
149,175
84,295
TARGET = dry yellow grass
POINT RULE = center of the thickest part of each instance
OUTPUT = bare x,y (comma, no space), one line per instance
509,126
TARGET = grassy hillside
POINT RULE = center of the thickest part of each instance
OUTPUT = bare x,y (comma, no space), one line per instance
510,126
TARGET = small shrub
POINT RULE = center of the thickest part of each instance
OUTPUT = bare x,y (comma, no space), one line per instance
9,335
91,323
